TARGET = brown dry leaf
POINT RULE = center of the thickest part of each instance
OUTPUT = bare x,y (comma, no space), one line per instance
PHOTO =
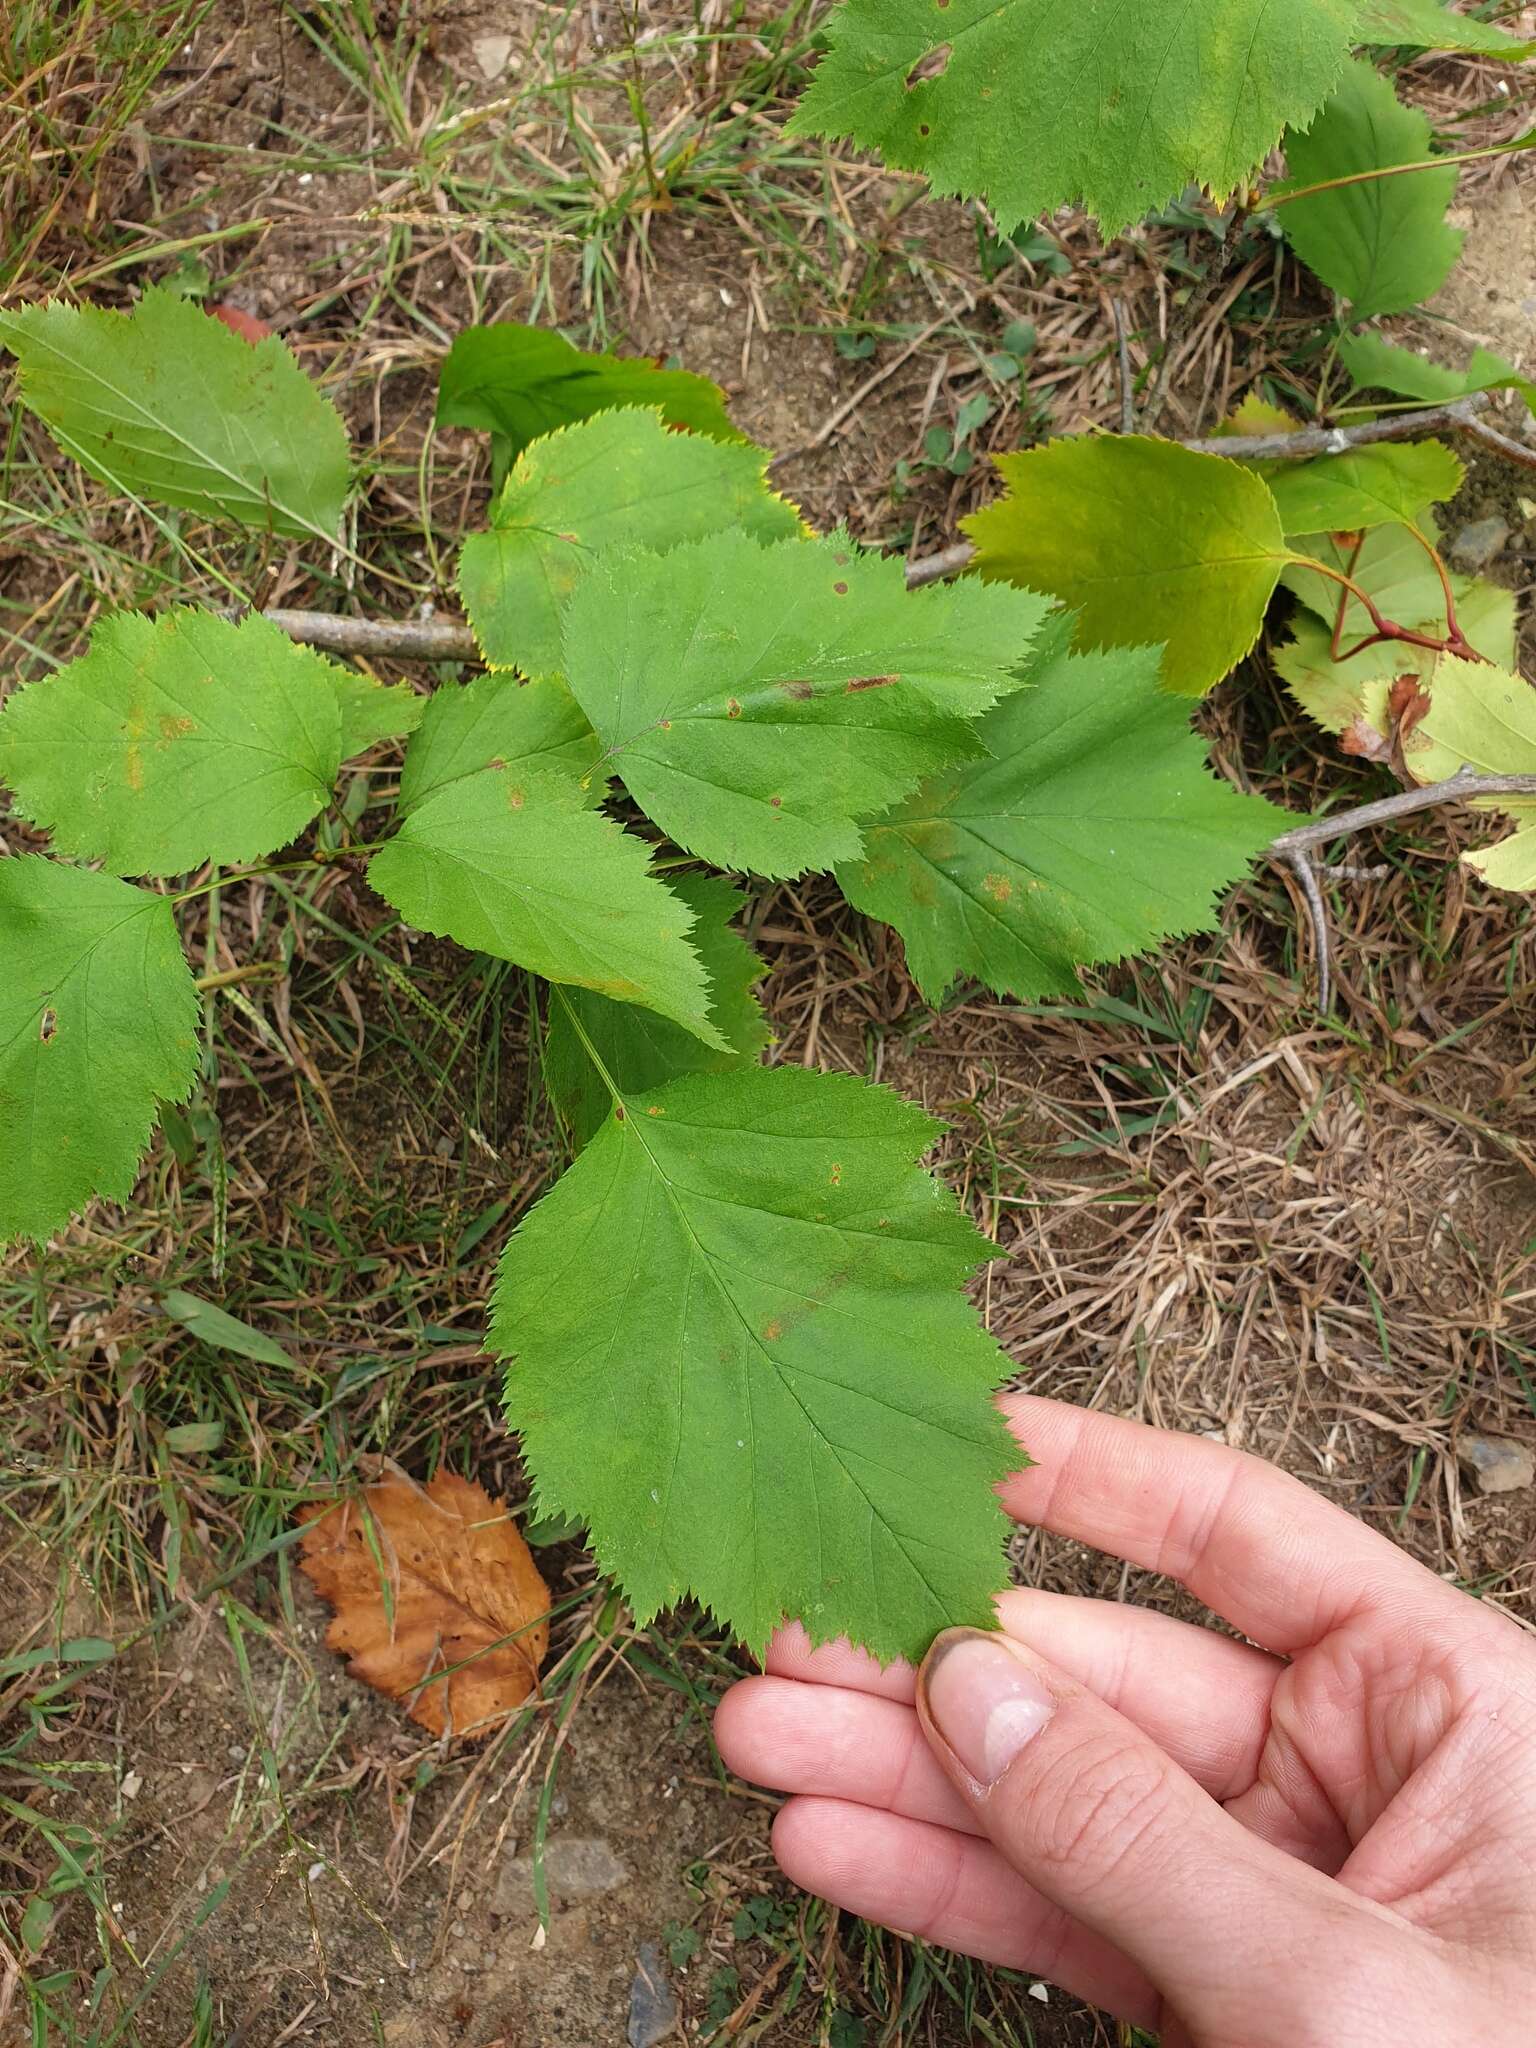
459,1579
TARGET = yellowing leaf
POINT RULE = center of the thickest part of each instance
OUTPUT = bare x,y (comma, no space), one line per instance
1149,543
1336,693
1366,487
425,1581
1483,718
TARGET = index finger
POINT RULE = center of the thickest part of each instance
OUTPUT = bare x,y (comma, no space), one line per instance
1259,1548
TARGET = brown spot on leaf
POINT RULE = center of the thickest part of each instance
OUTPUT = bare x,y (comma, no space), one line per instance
515,798
133,766
998,887
618,1112
837,1175
932,64
776,801
732,707
871,683
176,728
840,589
653,1110
800,690
773,1331
47,1025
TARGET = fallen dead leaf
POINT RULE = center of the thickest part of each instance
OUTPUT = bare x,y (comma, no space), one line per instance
424,1579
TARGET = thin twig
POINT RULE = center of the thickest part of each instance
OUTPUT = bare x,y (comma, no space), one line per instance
1127,384
934,568
1461,414
1517,451
1463,787
394,639
1306,875
1293,847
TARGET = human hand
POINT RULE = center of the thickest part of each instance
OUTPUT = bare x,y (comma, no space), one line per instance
1317,1841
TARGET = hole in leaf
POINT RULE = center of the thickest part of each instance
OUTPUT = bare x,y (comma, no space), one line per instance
932,64
47,1025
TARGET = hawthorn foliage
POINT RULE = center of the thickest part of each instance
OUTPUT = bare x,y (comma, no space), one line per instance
737,1339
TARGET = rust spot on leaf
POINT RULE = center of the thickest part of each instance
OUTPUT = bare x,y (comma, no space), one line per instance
837,1174
176,728
871,683
732,707
773,1331
776,801
133,767
998,887
841,589
654,1111
618,1112
515,798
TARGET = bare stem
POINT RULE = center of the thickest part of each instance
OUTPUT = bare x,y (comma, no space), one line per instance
1460,414
1465,786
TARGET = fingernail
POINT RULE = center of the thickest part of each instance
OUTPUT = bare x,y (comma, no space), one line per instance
981,1700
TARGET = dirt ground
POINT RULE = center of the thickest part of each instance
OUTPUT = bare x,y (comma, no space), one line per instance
1315,1239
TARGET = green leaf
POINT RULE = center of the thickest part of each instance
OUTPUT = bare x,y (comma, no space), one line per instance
372,711
175,740
1034,105
495,721
512,863
1334,692
517,382
757,701
1382,244
1377,365
1426,25
1094,831
640,1050
1146,541
1365,487
167,404
743,1357
1484,718
98,1020
618,478
214,1326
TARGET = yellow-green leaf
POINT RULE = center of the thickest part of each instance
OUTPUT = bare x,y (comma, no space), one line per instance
1148,543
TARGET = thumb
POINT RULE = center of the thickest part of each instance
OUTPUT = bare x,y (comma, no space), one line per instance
1100,1821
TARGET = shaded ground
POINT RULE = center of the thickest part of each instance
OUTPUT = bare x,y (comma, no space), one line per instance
1315,1239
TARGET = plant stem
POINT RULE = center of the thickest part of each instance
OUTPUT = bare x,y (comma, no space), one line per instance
1428,163
1386,629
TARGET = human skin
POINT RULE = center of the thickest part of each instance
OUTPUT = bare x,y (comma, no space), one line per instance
1325,1839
